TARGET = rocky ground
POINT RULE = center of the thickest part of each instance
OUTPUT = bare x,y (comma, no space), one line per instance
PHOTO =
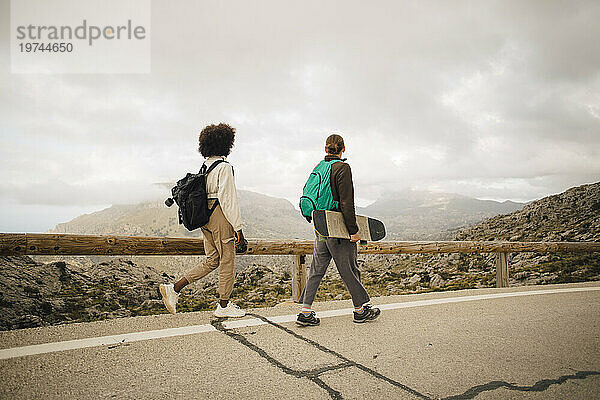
36,294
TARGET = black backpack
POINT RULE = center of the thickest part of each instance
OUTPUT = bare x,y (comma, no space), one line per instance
191,197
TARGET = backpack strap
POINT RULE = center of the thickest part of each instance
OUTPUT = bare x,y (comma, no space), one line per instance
205,171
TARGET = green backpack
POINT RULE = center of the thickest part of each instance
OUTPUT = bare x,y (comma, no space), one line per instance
317,194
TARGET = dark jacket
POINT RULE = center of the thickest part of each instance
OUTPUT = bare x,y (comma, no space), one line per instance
343,191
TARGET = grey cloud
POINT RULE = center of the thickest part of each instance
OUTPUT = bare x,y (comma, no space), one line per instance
61,193
490,99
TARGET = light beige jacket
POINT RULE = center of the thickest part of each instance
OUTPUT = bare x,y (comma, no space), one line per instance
220,184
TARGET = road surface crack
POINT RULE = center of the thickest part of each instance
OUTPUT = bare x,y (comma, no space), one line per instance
341,357
314,374
539,386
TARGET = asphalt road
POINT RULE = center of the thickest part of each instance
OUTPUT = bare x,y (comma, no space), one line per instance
514,343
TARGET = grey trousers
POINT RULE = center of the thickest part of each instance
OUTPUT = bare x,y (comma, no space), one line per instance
344,254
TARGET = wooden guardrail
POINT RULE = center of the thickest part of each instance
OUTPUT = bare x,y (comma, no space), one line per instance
13,244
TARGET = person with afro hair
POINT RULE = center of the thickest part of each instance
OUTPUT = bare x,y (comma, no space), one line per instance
223,232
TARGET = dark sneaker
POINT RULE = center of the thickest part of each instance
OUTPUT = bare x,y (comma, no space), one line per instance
368,314
307,319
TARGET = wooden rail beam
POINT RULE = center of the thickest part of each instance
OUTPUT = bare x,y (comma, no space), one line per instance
67,244
13,244
71,245
476,247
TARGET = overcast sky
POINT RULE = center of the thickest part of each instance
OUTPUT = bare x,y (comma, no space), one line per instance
496,100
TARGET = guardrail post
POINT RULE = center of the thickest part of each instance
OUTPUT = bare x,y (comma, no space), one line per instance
298,276
502,270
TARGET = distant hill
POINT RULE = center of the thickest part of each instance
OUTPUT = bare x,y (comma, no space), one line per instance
264,217
426,215
572,215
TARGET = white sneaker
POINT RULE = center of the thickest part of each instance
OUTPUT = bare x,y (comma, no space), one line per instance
231,310
170,297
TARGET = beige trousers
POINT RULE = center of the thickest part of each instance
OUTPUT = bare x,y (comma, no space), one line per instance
219,246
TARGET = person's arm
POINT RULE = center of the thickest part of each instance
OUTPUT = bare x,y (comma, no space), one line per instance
227,195
345,188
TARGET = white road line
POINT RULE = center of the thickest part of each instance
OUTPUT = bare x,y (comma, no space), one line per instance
102,341
244,323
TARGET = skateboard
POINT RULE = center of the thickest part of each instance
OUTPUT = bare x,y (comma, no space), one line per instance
331,224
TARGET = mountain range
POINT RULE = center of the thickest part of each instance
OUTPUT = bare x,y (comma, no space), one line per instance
426,215
408,215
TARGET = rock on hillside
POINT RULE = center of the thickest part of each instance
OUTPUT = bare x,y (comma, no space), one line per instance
568,216
572,215
35,294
